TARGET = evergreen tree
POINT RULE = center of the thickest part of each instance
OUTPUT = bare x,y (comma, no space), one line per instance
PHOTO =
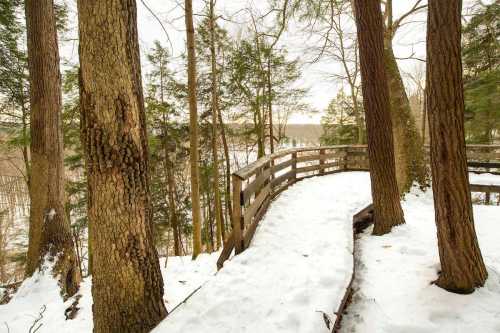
339,122
481,60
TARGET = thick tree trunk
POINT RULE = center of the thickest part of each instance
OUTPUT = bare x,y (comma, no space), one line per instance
193,130
215,132
387,207
462,267
50,232
408,148
127,286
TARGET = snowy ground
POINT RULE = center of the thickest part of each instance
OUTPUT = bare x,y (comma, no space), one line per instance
297,267
394,293
41,294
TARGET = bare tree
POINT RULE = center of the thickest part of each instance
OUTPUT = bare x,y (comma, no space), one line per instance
193,129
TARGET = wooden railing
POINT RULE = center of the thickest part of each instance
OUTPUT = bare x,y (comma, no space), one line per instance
257,184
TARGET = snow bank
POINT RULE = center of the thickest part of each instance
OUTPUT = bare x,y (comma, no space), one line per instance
393,278
298,265
40,293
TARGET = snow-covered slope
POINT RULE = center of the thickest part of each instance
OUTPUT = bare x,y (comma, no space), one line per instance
38,297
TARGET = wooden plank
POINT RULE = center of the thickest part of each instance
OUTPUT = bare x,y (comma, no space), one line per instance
226,251
317,167
485,188
254,207
253,226
307,158
286,176
492,165
282,165
337,155
255,185
238,244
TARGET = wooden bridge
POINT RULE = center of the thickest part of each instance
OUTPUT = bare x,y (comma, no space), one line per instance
257,184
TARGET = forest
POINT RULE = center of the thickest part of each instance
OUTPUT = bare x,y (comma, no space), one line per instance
226,166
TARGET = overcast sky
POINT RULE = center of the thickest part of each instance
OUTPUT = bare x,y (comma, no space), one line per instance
410,40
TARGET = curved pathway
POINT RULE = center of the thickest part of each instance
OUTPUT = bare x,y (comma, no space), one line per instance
297,268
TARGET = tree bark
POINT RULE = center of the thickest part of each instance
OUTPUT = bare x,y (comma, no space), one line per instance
387,208
50,231
408,150
193,130
462,266
215,132
127,286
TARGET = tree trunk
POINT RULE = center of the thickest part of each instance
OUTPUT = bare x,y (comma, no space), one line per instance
227,194
408,148
215,134
171,189
387,207
50,231
270,103
462,267
193,130
127,286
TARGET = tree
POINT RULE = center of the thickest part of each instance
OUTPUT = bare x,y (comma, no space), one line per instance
481,60
340,122
193,129
408,148
164,100
462,267
127,286
215,135
387,208
14,93
49,233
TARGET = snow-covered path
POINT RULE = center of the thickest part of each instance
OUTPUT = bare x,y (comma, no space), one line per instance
298,265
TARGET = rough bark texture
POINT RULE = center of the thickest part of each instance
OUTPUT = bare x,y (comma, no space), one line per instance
462,267
408,148
215,132
50,232
193,129
127,286
388,212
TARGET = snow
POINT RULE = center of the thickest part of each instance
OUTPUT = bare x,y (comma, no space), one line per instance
298,265
393,278
484,179
297,268
182,276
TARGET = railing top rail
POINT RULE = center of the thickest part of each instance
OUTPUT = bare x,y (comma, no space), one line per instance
247,171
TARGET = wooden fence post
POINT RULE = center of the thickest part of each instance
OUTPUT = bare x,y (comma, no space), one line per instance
345,159
237,216
294,164
321,160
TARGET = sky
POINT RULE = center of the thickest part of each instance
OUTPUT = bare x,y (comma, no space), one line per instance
409,41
